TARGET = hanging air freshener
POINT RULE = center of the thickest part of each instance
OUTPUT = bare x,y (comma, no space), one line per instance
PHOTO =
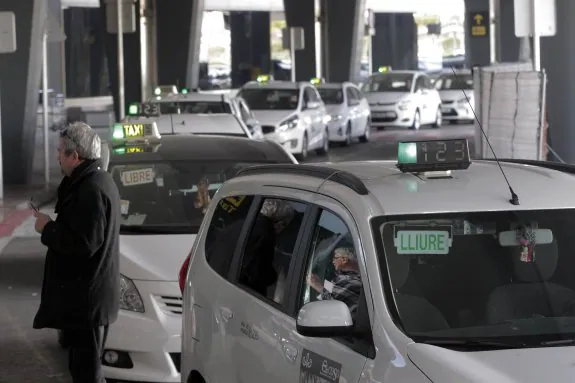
526,239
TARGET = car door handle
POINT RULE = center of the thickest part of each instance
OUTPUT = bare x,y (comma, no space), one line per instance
227,314
183,122
290,351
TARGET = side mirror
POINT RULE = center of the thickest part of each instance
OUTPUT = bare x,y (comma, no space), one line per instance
324,319
312,105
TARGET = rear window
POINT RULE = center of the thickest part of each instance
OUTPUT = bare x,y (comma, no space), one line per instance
170,197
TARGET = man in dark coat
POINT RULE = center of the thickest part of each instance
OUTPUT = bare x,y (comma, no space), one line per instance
81,289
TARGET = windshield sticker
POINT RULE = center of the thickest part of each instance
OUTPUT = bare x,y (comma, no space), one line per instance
124,207
318,369
423,240
137,177
134,220
160,182
203,196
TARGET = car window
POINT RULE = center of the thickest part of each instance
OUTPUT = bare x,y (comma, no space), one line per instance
271,99
420,83
246,115
169,107
310,95
269,248
358,94
351,97
331,96
224,231
205,107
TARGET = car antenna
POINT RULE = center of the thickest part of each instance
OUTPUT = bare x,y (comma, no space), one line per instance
514,197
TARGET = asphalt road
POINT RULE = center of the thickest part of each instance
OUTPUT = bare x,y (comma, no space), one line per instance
33,356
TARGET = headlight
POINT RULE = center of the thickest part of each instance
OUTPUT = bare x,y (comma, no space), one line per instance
403,105
288,124
335,117
130,298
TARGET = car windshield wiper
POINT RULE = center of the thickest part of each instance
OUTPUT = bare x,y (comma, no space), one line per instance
147,229
481,344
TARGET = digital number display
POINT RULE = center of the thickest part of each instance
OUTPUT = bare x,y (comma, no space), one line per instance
150,109
434,155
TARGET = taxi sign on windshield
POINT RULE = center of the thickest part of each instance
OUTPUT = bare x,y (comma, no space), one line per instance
433,155
423,240
136,131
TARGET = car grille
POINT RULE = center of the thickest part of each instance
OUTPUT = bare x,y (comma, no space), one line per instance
449,112
382,103
383,117
266,129
170,304
447,102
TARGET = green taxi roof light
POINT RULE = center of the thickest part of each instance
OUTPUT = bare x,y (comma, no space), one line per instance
384,69
184,91
315,80
263,78
157,91
133,109
407,153
118,132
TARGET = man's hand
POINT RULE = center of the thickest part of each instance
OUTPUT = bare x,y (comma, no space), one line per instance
41,221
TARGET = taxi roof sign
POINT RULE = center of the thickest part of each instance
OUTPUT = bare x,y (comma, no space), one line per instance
316,81
264,78
433,155
384,69
136,132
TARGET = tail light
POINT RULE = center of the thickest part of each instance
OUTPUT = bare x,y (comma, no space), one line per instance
183,272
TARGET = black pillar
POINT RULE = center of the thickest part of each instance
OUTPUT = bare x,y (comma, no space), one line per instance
343,29
395,41
301,13
56,51
175,27
477,44
19,85
250,50
132,61
508,49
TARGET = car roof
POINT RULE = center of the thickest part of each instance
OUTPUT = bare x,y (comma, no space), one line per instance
192,97
273,85
479,188
217,123
203,148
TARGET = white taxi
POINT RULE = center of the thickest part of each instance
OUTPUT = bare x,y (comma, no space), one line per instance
188,111
402,98
428,269
348,110
166,184
457,96
292,114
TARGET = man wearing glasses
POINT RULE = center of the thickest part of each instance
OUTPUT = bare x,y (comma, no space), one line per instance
81,288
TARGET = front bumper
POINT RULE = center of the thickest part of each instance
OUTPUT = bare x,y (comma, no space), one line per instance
291,140
392,116
149,343
456,111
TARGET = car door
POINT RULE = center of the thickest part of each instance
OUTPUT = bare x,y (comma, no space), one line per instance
329,359
364,111
352,104
256,317
314,115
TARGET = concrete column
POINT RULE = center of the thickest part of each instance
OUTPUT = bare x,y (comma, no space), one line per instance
301,13
557,58
395,41
179,26
132,62
344,25
19,86
250,50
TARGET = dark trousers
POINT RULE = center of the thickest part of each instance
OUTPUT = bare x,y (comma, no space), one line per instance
85,354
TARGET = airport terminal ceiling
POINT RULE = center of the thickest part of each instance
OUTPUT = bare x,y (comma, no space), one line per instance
277,5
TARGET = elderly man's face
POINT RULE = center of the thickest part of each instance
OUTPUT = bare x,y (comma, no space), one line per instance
339,260
68,162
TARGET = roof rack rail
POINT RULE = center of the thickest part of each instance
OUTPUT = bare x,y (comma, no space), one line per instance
559,166
325,173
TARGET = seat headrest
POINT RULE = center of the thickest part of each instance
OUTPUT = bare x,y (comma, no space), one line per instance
546,259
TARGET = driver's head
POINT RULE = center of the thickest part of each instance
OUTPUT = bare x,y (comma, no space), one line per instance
344,259
279,212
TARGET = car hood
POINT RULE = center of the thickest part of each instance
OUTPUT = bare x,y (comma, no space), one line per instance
553,364
154,257
273,117
454,95
385,97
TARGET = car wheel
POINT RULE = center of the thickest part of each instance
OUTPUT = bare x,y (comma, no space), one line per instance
304,150
347,141
438,118
325,145
416,121
366,134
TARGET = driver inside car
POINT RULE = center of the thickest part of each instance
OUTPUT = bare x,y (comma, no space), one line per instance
346,286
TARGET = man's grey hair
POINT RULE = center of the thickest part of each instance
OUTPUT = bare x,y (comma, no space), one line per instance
79,137
277,210
346,252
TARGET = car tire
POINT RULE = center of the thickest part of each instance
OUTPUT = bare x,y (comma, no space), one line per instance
304,149
347,141
416,120
438,119
366,134
325,145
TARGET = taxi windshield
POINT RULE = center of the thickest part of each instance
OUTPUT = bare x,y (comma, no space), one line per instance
389,82
452,82
331,96
204,107
169,196
500,276
271,99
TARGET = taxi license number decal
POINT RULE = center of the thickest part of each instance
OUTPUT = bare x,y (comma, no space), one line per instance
317,368
431,241
138,177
